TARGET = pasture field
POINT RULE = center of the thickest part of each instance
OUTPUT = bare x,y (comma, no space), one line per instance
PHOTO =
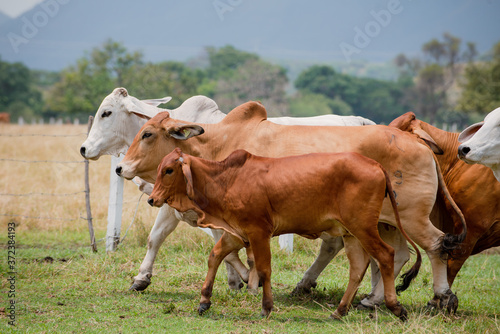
60,286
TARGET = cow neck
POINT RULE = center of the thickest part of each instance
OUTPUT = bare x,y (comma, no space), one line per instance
218,141
138,123
221,174
448,142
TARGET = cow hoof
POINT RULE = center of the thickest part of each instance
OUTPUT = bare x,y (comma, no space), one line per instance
336,315
363,307
401,313
432,304
139,285
265,313
253,292
447,301
235,285
303,288
203,307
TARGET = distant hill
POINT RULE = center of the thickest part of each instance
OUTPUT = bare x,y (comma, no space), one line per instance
4,19
283,30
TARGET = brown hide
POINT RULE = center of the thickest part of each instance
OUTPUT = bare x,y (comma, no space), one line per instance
473,187
4,117
409,163
254,198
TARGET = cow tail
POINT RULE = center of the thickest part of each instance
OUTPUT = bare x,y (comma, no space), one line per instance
450,242
408,276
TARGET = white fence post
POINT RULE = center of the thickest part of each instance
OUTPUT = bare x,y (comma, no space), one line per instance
114,206
286,242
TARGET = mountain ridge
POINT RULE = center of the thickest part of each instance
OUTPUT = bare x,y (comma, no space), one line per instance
55,35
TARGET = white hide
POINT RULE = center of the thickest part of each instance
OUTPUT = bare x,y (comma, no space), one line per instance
114,133
481,143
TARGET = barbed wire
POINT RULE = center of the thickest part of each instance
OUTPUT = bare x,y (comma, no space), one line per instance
42,194
39,217
133,219
41,135
45,161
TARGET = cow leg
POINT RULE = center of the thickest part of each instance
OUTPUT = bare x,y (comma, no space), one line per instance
358,263
383,254
233,274
461,255
429,239
261,246
330,246
394,238
164,224
253,277
226,244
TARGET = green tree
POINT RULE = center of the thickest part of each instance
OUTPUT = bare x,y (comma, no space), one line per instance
83,86
429,79
310,104
481,84
18,94
164,79
378,100
254,80
223,61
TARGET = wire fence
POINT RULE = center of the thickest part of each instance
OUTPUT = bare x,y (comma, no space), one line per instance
85,191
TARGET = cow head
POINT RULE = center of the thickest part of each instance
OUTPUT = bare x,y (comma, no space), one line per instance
159,136
409,122
174,182
481,143
118,119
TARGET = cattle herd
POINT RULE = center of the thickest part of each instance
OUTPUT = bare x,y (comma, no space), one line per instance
341,179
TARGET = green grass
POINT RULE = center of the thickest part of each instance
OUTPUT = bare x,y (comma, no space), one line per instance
81,292
78,291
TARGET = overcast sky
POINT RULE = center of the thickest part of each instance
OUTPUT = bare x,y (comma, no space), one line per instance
14,8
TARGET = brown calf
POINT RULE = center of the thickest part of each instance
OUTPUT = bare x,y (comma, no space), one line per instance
255,198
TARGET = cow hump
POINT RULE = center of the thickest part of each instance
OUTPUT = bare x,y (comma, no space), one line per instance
247,112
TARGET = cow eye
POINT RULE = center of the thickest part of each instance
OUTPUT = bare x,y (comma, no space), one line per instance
106,114
146,135
169,171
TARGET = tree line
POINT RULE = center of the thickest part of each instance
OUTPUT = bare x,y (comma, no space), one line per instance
448,82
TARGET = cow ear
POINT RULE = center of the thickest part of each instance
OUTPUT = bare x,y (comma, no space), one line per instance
185,131
157,102
186,170
428,140
139,108
404,121
469,132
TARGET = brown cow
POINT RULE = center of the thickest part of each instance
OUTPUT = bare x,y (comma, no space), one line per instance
255,198
473,187
410,163
4,117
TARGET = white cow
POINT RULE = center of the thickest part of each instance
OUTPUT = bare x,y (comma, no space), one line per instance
119,118
481,143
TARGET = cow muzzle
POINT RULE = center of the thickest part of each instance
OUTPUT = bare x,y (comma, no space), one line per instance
125,170
89,154
155,202
462,151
